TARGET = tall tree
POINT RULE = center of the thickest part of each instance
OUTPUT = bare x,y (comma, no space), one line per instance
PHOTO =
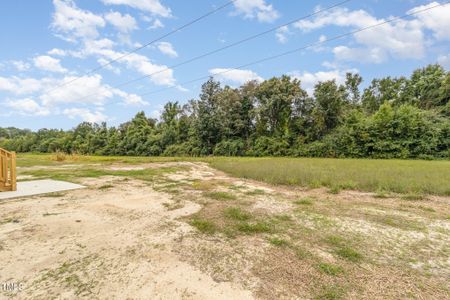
208,122
275,98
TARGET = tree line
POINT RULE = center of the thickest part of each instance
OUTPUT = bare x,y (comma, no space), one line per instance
391,118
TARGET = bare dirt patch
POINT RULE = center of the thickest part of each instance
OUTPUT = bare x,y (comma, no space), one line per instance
95,244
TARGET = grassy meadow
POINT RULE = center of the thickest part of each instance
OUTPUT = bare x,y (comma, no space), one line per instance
410,177
399,176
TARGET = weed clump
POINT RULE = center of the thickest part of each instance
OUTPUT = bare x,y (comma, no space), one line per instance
278,242
349,254
413,197
223,196
304,201
236,213
204,226
330,269
252,228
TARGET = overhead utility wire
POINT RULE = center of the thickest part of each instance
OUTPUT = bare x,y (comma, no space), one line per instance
221,48
145,45
300,48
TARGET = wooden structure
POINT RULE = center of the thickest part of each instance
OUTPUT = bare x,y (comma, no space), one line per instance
8,177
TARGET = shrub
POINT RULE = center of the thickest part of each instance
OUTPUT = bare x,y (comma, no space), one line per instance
229,148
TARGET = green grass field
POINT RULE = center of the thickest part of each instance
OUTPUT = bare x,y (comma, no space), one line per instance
399,176
412,177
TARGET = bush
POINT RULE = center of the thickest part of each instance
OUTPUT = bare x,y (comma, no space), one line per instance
270,146
229,148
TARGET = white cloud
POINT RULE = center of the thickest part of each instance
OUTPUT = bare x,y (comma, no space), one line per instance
20,86
7,85
57,52
131,99
258,9
27,107
401,38
235,75
156,24
105,63
436,20
337,17
73,23
20,65
85,115
281,34
140,63
86,89
152,6
309,80
48,63
161,74
123,23
92,47
167,49
444,60
374,55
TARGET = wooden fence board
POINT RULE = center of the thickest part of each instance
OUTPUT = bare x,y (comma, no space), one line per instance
8,175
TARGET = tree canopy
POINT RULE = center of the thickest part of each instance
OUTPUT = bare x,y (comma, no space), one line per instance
391,118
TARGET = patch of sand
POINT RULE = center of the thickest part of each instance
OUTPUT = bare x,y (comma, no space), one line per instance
115,244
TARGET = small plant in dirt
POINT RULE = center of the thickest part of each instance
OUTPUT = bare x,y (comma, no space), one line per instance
413,197
203,185
283,218
236,213
401,223
334,190
335,240
47,214
302,253
9,220
425,208
59,156
105,187
54,195
330,269
252,228
332,292
304,201
278,242
349,254
204,226
381,194
255,192
235,187
223,196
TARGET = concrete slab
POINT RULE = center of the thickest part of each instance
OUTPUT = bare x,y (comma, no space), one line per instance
37,187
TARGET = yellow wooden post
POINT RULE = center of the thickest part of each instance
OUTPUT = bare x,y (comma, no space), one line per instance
2,178
4,167
8,175
13,172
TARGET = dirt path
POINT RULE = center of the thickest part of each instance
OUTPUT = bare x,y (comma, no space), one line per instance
111,244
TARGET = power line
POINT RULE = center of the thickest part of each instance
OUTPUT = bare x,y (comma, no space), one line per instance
252,37
231,45
301,48
145,45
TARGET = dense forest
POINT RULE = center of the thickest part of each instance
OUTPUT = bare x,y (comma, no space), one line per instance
391,118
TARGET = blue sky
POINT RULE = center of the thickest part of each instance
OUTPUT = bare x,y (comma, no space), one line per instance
47,43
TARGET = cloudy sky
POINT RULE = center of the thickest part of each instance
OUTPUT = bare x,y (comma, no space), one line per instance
50,50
